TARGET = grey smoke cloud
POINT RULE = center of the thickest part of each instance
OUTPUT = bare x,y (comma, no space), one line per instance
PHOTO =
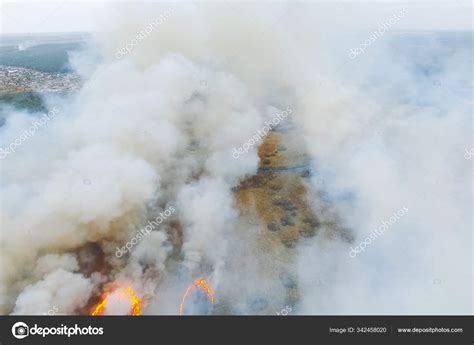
146,132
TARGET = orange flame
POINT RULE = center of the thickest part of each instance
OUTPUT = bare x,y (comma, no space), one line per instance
198,284
128,293
99,309
135,311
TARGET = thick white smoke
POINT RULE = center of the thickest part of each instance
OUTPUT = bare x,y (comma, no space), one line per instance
156,128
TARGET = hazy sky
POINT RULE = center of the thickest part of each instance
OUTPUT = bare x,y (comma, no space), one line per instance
30,16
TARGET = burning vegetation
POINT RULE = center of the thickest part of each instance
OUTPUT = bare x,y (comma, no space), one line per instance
122,295
199,284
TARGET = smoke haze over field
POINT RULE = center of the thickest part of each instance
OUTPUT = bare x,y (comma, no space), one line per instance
156,128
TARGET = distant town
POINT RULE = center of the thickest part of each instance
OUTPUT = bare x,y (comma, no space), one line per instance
19,79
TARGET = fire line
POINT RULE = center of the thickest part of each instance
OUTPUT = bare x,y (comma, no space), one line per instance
127,293
198,284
